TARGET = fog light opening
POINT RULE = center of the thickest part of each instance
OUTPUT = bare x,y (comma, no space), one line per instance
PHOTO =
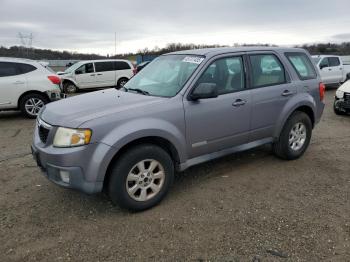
64,176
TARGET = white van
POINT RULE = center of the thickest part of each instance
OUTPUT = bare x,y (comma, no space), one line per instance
96,74
27,85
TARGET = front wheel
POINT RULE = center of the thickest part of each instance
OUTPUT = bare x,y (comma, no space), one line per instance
295,137
70,88
336,109
31,104
141,177
121,82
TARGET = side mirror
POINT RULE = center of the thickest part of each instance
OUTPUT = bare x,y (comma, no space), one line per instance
78,72
323,66
204,91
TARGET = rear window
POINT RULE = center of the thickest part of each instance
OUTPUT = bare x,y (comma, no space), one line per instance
302,65
120,65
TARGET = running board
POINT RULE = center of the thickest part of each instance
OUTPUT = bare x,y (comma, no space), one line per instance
224,152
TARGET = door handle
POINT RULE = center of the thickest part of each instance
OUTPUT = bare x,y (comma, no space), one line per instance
329,69
19,83
99,74
239,102
287,93
92,75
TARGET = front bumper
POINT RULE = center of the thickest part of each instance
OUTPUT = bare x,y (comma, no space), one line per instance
342,105
82,168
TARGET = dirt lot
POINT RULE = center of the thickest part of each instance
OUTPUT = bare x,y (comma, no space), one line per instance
245,207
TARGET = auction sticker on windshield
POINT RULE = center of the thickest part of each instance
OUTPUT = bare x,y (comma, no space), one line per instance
193,59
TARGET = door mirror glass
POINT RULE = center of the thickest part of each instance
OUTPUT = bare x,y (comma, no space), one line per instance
204,91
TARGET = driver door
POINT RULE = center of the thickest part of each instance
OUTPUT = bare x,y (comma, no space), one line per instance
214,124
85,76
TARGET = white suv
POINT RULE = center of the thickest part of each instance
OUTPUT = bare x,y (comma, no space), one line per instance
27,85
96,74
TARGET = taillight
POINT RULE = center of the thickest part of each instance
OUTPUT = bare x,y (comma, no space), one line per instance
54,79
322,89
134,71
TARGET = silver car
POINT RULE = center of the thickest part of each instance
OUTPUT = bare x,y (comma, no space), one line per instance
183,109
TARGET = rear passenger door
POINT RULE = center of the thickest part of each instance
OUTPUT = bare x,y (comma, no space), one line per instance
105,73
271,89
12,84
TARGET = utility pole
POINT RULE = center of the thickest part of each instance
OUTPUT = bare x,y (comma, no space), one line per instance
115,44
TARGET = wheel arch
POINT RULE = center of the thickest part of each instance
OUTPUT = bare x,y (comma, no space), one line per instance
308,107
162,142
31,92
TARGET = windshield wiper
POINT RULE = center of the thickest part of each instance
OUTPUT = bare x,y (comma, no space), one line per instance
140,91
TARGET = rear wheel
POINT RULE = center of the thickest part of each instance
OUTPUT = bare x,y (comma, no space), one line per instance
295,137
31,104
141,177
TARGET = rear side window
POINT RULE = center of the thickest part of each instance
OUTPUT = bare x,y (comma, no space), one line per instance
8,69
334,61
266,70
120,65
25,68
104,66
302,65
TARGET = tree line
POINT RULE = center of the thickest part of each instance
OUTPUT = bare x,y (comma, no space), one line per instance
38,54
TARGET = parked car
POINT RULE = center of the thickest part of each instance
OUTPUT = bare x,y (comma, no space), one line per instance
332,69
27,85
181,110
342,99
141,66
96,74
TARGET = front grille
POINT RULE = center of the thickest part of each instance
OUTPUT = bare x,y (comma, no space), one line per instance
43,134
347,97
44,130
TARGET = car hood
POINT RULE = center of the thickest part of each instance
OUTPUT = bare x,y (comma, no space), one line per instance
74,111
345,87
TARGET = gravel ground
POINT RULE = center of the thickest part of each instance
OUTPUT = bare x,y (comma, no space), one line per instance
245,207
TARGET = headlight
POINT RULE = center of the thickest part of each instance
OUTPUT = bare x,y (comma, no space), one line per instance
66,137
339,94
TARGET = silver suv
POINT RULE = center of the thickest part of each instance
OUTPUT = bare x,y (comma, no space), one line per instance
181,110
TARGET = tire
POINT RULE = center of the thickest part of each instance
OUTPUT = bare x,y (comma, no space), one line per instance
131,188
298,129
31,104
122,82
70,88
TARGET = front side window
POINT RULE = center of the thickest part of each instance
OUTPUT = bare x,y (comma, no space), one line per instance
302,65
266,70
165,76
85,69
104,66
226,73
8,69
334,61
324,63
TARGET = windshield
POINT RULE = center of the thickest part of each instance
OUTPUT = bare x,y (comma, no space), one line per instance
165,76
73,67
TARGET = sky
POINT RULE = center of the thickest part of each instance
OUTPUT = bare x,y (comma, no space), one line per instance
90,26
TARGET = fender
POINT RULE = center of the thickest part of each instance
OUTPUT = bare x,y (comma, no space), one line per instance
69,79
141,128
299,100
